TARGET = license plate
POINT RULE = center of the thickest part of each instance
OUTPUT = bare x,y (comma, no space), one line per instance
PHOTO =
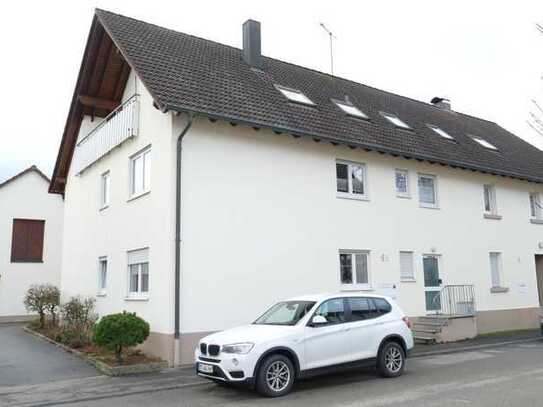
205,368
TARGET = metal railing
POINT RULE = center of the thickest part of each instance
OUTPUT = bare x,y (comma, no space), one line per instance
120,125
455,300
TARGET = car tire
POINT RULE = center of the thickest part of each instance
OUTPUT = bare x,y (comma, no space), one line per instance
275,376
391,360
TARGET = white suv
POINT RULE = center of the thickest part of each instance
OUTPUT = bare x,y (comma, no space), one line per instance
305,336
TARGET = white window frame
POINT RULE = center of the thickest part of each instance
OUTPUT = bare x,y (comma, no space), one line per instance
350,194
144,154
294,95
102,280
407,193
440,132
403,277
396,121
435,205
493,203
498,271
350,109
105,190
139,294
355,285
537,213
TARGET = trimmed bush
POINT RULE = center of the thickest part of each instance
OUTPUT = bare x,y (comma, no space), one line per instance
116,332
42,298
78,318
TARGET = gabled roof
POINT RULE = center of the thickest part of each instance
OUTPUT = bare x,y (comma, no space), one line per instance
33,168
189,74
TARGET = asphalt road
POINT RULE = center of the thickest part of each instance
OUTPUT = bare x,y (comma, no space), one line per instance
27,360
509,375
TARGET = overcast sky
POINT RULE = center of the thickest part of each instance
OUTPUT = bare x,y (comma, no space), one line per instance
486,57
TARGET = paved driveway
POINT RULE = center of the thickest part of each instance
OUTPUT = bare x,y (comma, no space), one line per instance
26,360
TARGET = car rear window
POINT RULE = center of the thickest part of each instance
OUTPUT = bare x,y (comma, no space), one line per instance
382,305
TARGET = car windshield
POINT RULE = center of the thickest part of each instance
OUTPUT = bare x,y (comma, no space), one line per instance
285,313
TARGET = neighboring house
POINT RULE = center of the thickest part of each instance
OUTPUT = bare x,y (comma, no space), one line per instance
30,239
222,181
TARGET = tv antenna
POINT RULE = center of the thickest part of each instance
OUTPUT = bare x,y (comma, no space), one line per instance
332,37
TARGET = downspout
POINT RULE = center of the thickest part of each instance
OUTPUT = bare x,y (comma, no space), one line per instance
178,227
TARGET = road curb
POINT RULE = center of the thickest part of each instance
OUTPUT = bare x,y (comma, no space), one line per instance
472,347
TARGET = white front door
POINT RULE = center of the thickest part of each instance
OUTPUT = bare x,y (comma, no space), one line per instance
432,283
328,344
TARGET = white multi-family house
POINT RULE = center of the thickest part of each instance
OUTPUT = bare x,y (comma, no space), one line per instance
30,240
203,183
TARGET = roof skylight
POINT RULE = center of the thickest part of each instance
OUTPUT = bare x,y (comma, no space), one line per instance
484,143
294,95
441,132
350,109
395,120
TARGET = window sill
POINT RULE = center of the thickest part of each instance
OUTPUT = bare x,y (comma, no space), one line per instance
408,280
26,261
136,196
403,196
492,216
428,206
536,221
343,195
356,287
497,290
103,208
101,294
133,298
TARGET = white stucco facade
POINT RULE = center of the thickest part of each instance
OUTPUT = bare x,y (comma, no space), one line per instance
26,197
261,221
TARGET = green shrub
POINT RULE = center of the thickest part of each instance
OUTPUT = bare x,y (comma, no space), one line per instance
41,299
78,317
118,331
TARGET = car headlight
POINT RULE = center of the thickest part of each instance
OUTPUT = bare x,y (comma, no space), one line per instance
241,348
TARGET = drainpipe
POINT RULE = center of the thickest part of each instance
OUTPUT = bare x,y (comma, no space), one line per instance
178,227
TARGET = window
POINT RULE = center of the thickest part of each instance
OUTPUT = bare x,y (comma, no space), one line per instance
495,269
285,313
333,310
294,95
441,132
27,241
140,173
401,179
535,205
395,120
350,109
354,271
427,191
351,180
362,308
138,273
102,275
489,198
382,305
484,143
407,272
104,190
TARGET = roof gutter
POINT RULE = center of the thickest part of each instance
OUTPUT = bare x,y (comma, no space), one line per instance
177,282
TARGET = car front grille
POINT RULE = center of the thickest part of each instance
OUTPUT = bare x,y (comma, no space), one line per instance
203,348
213,350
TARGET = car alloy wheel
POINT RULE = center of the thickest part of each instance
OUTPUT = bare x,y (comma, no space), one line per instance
278,376
393,359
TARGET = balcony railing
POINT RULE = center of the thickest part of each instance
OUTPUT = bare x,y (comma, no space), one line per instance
120,125
455,300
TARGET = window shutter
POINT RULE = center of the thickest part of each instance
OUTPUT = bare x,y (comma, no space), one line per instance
27,240
406,266
138,256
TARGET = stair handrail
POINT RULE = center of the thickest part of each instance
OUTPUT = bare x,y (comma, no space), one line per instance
455,300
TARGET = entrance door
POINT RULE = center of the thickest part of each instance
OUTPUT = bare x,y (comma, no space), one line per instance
432,283
539,274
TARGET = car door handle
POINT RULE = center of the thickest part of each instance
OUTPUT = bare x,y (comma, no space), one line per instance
346,329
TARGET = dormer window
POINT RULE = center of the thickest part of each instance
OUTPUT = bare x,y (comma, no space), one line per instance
350,109
484,143
295,95
395,120
441,132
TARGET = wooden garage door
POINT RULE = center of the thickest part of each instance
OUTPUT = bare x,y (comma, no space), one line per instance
27,241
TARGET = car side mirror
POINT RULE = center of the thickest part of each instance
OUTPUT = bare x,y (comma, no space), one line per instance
318,320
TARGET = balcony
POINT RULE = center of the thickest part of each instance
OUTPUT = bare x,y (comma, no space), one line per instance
120,125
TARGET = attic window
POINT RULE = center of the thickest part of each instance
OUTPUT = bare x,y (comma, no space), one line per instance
350,109
395,120
484,143
441,132
294,95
